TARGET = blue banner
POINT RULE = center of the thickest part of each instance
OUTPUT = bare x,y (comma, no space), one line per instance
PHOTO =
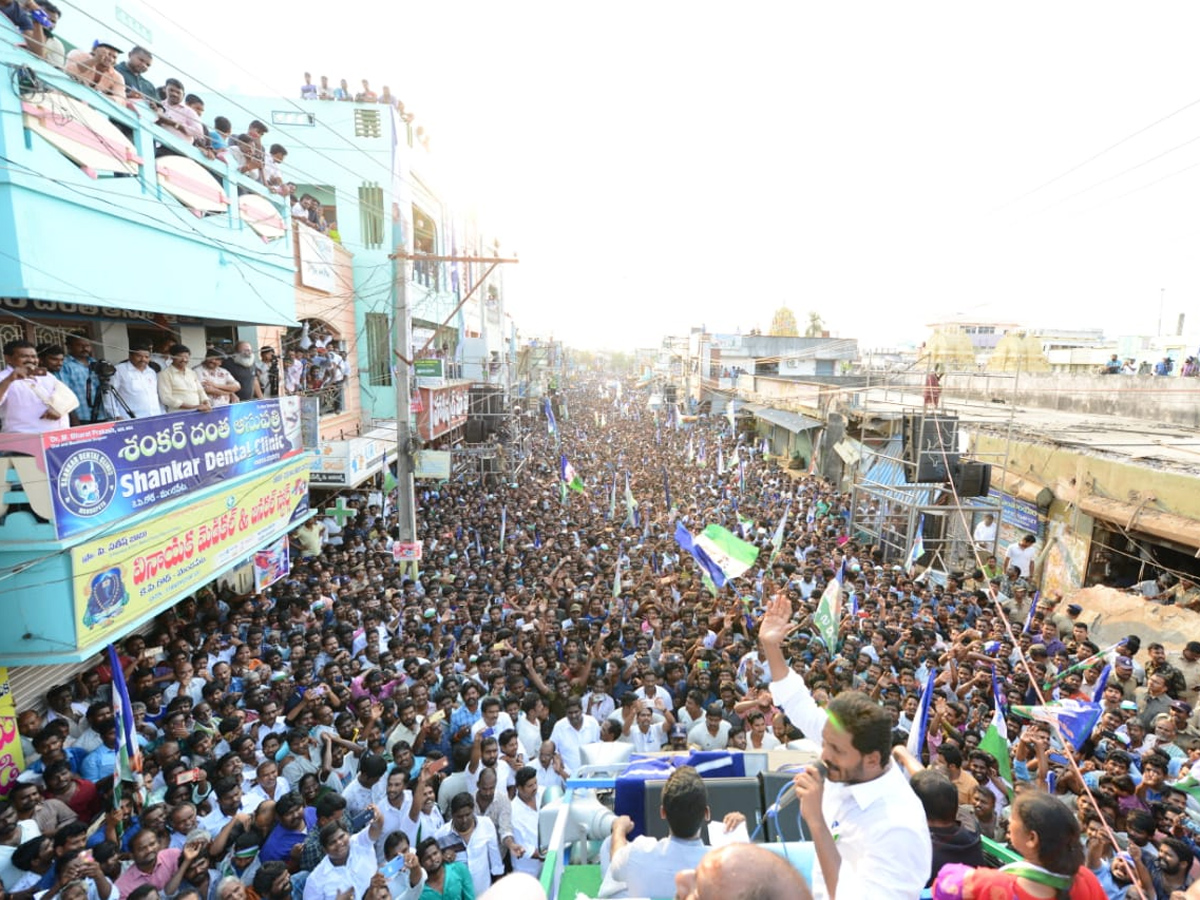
105,473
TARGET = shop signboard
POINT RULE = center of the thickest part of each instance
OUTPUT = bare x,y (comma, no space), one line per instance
442,409
120,577
101,474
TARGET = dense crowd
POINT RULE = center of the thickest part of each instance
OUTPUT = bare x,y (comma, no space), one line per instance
358,729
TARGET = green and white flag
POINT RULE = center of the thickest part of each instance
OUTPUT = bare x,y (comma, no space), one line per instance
995,739
828,613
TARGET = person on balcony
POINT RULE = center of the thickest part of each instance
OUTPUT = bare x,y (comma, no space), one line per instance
133,71
31,27
97,69
268,372
178,115
218,382
135,388
241,366
24,394
179,386
77,374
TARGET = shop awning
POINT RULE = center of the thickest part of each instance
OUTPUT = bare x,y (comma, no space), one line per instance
793,422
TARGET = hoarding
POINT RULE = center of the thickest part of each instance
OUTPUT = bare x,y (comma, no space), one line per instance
101,474
119,577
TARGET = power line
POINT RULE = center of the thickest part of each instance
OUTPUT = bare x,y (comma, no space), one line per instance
1095,156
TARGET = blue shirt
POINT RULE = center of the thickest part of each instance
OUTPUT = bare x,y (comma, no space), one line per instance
79,378
464,718
99,763
279,843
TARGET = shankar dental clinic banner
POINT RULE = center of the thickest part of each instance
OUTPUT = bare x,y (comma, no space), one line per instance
105,473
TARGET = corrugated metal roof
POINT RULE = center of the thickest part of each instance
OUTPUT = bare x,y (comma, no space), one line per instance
888,471
793,422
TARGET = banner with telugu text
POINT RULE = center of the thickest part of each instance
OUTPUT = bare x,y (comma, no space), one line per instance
12,759
101,474
121,576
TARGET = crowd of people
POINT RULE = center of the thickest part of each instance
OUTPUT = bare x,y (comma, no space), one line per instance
358,730
49,387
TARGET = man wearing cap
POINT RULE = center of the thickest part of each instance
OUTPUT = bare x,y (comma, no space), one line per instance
97,69
1185,735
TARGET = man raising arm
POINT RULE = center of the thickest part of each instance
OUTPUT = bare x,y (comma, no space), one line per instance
867,825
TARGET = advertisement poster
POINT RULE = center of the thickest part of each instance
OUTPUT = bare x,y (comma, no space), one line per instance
101,474
442,410
1017,518
433,465
119,577
271,563
12,760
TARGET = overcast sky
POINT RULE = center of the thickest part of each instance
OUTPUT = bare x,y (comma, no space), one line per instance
665,165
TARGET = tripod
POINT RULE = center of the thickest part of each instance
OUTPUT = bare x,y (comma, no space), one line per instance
99,410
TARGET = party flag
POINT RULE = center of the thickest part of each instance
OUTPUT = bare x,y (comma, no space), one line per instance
570,479
129,755
995,739
920,726
918,546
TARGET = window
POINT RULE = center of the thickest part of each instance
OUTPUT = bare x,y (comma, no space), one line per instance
370,212
292,118
379,350
367,123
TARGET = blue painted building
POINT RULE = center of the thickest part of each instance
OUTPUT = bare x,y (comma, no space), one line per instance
118,230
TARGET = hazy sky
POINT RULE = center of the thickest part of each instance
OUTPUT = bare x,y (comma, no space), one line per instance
665,165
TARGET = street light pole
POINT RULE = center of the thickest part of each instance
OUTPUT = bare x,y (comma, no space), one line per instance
1162,294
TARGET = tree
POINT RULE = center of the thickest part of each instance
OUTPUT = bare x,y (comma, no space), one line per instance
816,325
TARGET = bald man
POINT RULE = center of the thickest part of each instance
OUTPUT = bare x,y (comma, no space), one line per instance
741,872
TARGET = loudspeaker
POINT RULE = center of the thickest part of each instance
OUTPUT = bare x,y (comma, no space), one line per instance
475,431
670,393
788,823
930,447
972,479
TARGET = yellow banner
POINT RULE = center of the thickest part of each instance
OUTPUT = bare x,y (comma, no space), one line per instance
12,759
120,577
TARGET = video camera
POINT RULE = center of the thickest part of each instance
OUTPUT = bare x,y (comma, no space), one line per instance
102,369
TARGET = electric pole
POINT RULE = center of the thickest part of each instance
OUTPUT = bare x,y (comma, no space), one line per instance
405,492
406,445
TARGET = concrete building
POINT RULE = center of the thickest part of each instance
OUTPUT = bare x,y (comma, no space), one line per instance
124,233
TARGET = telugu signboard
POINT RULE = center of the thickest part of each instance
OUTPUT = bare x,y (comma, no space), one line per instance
120,577
101,474
442,409
1017,518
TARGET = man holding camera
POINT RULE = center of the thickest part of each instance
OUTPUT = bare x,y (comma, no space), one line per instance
77,373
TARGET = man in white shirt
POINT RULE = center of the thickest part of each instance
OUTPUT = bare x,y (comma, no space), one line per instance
368,788
395,808
268,785
713,732
134,388
529,725
479,835
985,532
640,729
548,764
868,826
24,395
573,732
1022,556
349,862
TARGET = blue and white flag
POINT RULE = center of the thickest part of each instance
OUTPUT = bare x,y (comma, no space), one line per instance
918,546
916,737
1101,683
128,764
503,526
551,424
721,554
777,537
1073,718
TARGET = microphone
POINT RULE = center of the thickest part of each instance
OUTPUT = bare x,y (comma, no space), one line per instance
789,793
